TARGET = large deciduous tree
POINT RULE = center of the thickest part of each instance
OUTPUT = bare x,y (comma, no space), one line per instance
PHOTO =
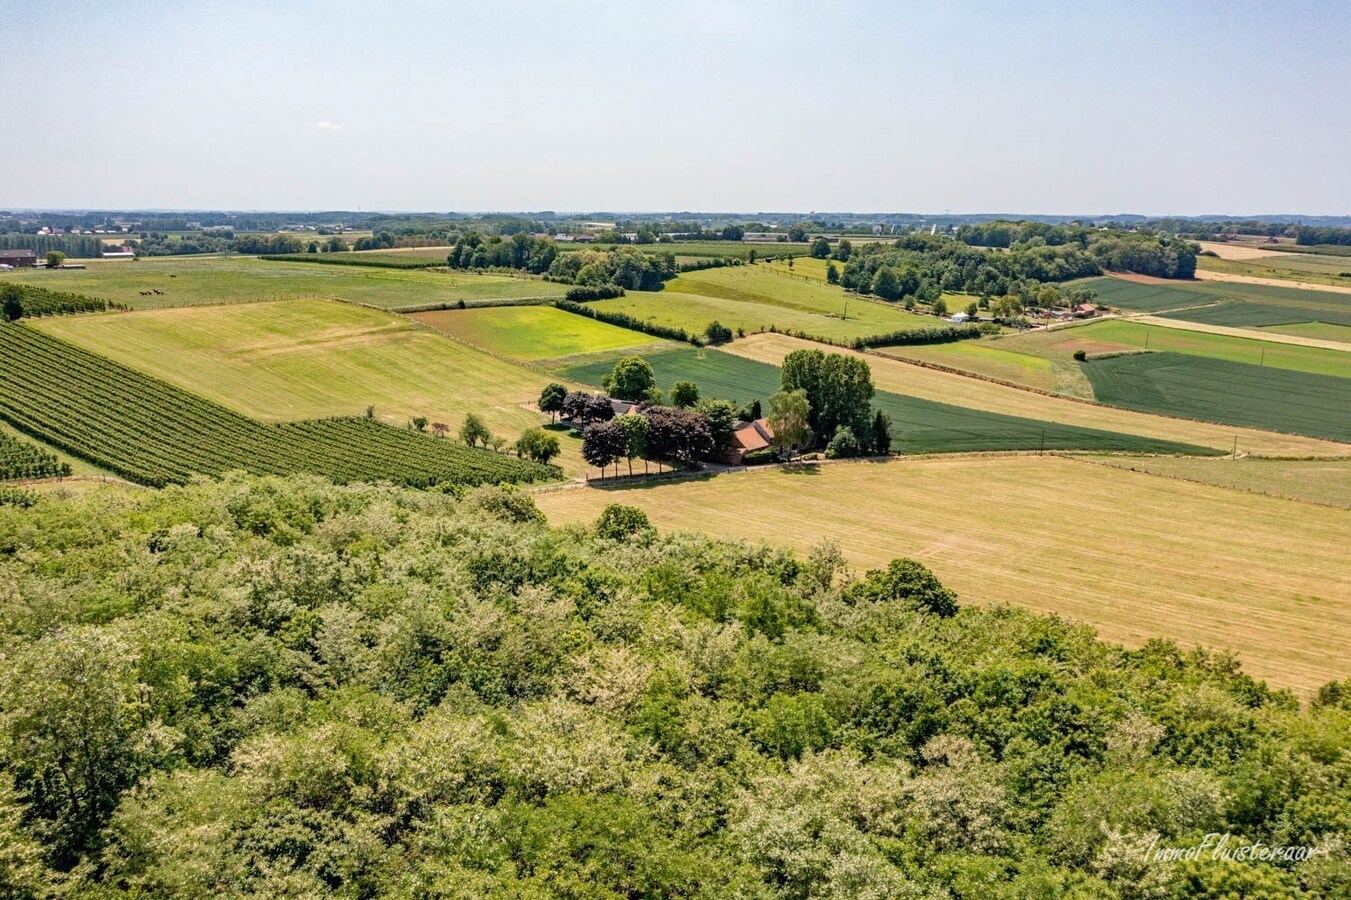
630,379
551,399
789,412
604,444
839,390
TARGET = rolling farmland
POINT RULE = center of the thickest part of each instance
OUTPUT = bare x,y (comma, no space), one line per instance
1223,303
1314,360
824,318
893,375
703,249
1164,559
919,426
983,357
151,432
532,332
311,359
195,281
1218,390
1311,268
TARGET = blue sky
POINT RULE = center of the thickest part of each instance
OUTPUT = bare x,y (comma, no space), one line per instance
1178,107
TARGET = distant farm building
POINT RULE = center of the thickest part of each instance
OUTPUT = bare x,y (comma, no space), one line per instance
123,252
763,237
748,436
19,259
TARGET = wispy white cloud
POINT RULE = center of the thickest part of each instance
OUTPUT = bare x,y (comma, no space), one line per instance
328,126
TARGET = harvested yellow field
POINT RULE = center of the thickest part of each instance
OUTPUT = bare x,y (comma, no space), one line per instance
1135,555
931,384
1240,250
1203,275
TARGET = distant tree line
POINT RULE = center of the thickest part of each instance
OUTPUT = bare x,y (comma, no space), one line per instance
73,245
1308,236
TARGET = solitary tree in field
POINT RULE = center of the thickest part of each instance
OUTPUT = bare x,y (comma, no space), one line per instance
684,394
630,379
940,307
55,259
538,445
551,400
717,333
419,423
473,431
972,309
788,420
832,273
820,248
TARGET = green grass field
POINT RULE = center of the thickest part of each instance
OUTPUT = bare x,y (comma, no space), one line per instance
307,359
919,426
188,281
1217,390
983,357
1321,330
1314,360
1242,314
754,298
804,268
1224,303
772,285
532,332
1135,555
1140,297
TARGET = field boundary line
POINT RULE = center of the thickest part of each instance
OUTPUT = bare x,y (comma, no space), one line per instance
1226,487
1293,340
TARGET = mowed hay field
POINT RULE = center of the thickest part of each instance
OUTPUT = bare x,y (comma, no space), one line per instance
306,359
903,378
534,332
1302,268
1325,481
1267,578
190,281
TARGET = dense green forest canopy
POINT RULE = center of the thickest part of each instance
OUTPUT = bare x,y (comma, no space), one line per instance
277,687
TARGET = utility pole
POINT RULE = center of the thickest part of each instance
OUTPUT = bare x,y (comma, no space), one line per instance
1235,453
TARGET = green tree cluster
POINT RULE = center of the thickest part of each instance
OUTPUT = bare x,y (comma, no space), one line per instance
266,687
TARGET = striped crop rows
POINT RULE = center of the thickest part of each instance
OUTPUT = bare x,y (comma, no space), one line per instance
149,431
20,459
20,300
